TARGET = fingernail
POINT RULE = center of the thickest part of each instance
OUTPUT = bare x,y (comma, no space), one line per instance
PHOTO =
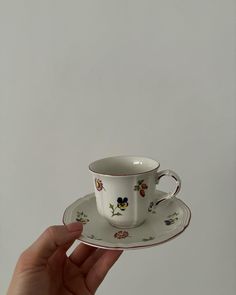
74,226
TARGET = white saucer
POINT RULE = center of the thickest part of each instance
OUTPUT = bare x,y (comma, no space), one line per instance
166,221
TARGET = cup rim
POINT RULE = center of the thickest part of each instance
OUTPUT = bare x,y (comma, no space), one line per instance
127,174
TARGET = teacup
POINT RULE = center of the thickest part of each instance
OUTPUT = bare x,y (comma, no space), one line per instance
125,186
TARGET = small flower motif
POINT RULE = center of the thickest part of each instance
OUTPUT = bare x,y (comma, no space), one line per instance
93,237
82,217
99,184
122,234
122,203
142,192
144,186
151,207
172,218
141,187
148,239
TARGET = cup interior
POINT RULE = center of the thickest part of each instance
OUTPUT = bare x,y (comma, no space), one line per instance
123,165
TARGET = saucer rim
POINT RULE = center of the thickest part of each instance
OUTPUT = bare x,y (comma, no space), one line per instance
130,247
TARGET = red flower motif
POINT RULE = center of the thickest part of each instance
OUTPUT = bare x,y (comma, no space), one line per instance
142,193
122,234
99,184
144,186
141,187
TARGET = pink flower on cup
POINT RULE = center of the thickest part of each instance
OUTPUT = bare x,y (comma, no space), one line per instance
122,234
99,184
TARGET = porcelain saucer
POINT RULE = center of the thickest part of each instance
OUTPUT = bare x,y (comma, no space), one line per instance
165,221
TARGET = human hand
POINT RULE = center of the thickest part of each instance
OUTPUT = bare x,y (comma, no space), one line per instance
45,269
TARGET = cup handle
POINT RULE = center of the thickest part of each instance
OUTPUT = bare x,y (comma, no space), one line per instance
176,177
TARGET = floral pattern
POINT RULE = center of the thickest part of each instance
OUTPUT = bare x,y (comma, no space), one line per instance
148,239
122,234
122,204
99,185
151,208
172,218
82,217
93,237
141,187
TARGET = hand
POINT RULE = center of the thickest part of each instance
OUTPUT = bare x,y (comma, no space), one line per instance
45,269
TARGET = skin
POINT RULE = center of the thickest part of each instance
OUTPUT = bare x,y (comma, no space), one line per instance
44,268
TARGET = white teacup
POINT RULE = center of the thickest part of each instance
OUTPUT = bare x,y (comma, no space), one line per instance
125,186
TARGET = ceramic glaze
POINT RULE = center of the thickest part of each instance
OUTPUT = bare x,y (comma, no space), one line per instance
164,221
124,187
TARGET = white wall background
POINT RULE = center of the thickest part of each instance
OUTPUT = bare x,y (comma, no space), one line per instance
80,80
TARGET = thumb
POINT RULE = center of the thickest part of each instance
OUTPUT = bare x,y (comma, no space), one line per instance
51,239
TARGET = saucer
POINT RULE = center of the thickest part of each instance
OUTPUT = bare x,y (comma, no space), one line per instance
164,222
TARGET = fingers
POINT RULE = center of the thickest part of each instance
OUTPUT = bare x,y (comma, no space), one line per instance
57,260
99,270
47,244
81,253
92,259
85,257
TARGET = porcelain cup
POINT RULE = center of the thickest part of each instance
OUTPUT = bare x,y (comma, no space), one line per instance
125,186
